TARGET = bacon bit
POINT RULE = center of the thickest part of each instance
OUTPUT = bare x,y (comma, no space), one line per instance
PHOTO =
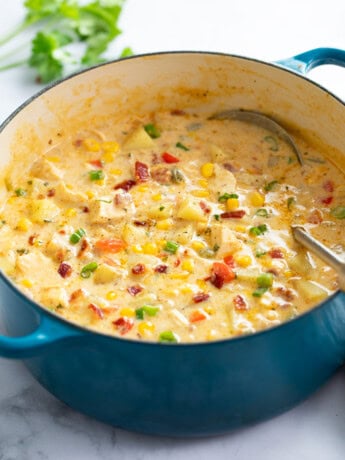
240,303
161,269
201,297
125,185
64,270
83,247
138,269
168,158
76,294
229,167
220,274
328,186
112,245
286,294
141,171
276,253
274,271
327,200
78,143
85,209
140,223
229,260
134,290
177,112
197,315
96,163
315,217
123,325
233,214
162,175
122,199
32,239
99,312
155,159
177,262
62,232
50,141
205,207
51,192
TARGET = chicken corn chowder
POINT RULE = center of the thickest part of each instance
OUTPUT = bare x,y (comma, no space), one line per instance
172,228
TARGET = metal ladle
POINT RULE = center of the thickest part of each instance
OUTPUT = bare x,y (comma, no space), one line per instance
264,121
325,254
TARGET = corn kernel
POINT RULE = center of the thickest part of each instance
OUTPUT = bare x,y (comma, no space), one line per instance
99,182
288,274
186,289
37,243
70,212
108,157
110,146
157,197
12,200
178,276
53,159
201,283
203,183
150,248
90,194
27,283
24,224
69,186
257,199
198,245
240,228
161,243
207,169
91,144
146,328
232,204
210,310
188,265
111,295
243,261
116,172
137,249
164,224
212,335
200,193
142,188
129,312
265,262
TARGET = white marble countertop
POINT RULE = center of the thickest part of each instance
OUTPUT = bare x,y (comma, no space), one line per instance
33,424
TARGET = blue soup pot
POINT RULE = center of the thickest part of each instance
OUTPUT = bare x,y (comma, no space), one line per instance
179,389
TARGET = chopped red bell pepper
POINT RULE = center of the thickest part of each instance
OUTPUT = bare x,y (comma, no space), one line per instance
327,200
328,186
276,253
168,158
112,245
233,214
97,163
221,274
229,260
196,316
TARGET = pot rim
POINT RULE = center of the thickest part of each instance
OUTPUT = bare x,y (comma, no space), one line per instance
42,311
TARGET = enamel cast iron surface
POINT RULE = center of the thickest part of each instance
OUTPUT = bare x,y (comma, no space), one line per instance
195,389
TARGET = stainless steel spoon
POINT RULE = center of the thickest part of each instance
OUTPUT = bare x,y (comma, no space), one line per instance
303,237
264,121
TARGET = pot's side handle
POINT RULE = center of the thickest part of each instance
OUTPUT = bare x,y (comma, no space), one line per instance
47,334
304,62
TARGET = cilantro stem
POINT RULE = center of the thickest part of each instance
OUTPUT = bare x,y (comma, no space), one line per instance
14,32
13,65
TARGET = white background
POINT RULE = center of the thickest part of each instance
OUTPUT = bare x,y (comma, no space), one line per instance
33,425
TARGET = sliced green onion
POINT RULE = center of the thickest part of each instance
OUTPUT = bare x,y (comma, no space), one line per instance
171,246
259,292
262,212
272,141
88,269
181,146
259,230
270,186
77,236
216,216
223,198
338,212
96,174
207,253
291,201
265,280
167,336
152,130
148,309
20,192
260,253
176,175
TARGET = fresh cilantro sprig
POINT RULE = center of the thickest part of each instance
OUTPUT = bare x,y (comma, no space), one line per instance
62,23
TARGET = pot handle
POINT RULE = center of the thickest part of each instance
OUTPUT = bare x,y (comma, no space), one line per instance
48,333
304,62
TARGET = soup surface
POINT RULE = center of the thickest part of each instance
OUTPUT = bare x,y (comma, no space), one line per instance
172,228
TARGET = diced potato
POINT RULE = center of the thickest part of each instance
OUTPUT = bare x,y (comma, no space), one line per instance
184,235
160,211
310,291
32,263
68,196
58,249
37,187
102,210
301,264
190,209
222,180
217,154
106,274
44,169
43,211
138,139
134,235
225,239
248,274
53,296
8,262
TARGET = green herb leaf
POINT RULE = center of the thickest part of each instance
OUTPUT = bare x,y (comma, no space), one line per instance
181,146
290,202
259,292
260,253
168,336
20,192
270,186
152,130
96,174
259,230
146,309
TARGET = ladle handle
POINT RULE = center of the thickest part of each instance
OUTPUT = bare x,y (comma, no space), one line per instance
317,248
304,62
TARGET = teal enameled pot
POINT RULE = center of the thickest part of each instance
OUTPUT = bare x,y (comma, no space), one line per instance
178,389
